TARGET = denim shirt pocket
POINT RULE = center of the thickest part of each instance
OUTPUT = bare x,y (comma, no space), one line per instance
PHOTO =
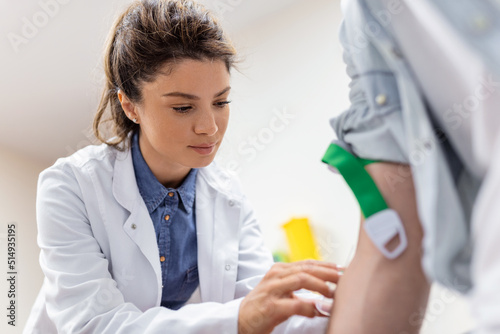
190,283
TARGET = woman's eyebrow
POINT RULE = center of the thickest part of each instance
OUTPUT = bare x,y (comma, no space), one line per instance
222,91
194,97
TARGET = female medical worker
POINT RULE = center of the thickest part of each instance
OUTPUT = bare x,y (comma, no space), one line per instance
134,230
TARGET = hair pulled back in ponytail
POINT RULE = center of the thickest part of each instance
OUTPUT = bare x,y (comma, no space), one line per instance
148,35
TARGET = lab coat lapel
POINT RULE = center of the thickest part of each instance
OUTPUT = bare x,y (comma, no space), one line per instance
217,225
138,226
205,225
226,233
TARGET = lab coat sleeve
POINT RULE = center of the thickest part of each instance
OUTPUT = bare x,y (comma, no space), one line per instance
82,296
485,295
254,261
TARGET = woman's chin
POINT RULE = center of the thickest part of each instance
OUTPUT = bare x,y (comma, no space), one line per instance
200,163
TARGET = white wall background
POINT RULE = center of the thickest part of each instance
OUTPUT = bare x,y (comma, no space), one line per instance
292,82
292,67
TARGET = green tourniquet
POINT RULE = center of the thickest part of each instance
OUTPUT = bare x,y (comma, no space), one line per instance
361,183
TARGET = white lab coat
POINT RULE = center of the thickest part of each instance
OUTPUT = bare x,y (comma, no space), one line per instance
100,256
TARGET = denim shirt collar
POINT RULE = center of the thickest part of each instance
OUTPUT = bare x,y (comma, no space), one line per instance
152,191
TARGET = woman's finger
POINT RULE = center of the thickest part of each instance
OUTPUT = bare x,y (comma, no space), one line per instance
316,263
296,306
325,306
322,270
302,280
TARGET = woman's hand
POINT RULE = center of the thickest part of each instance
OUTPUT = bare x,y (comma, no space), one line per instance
272,301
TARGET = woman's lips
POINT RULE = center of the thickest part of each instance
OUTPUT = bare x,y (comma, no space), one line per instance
204,149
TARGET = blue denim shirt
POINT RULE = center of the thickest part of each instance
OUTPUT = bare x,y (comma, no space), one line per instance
173,215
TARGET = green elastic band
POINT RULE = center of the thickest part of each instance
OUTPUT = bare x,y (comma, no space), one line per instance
361,183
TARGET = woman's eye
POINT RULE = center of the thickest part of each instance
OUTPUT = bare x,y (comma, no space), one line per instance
182,110
222,104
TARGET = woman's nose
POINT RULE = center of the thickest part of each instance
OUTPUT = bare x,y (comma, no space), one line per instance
206,123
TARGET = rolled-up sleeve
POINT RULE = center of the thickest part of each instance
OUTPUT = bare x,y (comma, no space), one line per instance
372,127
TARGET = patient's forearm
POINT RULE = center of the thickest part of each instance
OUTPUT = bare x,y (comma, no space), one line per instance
378,295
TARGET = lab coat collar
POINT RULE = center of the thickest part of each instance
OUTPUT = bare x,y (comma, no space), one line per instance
125,187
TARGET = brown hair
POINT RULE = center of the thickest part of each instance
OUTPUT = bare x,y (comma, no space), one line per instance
145,37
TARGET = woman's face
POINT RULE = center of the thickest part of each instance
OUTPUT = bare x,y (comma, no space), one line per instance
184,114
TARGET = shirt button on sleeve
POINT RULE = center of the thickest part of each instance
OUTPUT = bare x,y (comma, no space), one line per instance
480,23
381,99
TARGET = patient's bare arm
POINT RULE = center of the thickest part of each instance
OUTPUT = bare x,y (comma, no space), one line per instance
378,295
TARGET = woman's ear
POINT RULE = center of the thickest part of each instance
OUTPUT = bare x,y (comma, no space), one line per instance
128,106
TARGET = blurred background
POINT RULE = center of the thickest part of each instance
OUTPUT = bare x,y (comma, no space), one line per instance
290,82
